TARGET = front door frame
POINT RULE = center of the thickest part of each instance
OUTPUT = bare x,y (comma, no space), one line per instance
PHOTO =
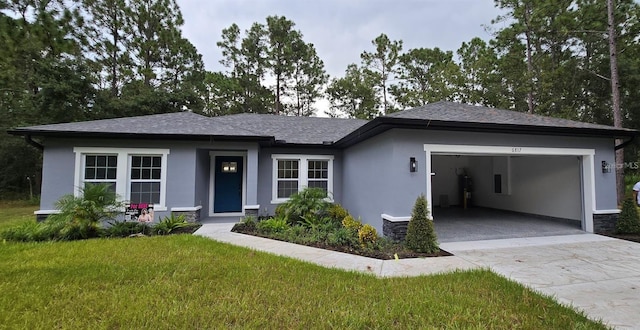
587,170
212,182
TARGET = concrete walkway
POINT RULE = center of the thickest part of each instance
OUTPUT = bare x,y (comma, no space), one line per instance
593,273
383,268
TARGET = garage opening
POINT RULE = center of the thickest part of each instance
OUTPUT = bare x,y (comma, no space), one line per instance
488,192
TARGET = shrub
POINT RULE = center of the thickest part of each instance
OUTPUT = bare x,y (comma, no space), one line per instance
352,224
316,222
295,234
343,237
170,224
79,217
246,224
79,229
51,230
421,236
97,203
309,201
281,211
272,225
367,236
30,231
318,235
337,212
628,220
126,228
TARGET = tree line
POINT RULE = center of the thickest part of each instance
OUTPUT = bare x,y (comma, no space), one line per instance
73,60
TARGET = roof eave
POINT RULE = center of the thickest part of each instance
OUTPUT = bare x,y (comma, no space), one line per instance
139,136
382,124
277,144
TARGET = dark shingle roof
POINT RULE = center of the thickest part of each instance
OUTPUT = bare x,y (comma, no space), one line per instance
292,130
317,131
297,130
465,113
178,123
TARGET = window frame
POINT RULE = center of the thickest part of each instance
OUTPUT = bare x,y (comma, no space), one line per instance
83,168
303,173
123,169
289,171
141,180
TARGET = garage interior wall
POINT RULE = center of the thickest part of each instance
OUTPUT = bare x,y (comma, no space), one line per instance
543,185
445,181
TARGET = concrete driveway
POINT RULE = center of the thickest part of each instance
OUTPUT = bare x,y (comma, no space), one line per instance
593,273
596,274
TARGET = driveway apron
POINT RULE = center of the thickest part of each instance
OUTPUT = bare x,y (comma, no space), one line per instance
596,274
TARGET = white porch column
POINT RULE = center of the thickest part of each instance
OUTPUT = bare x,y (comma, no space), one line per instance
428,174
589,196
252,176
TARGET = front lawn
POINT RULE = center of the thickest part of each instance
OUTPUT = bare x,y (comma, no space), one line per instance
184,281
15,212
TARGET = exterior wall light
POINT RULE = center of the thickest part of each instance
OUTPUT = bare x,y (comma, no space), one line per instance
606,167
413,164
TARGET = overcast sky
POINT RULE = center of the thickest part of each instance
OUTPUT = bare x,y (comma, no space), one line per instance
342,29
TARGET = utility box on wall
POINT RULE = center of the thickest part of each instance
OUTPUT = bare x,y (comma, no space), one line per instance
466,187
502,175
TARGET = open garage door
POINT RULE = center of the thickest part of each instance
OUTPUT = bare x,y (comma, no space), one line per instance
522,188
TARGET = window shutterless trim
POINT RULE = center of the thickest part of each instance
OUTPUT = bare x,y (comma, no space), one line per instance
303,168
123,171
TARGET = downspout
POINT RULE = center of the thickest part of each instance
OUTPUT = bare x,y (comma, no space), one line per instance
33,143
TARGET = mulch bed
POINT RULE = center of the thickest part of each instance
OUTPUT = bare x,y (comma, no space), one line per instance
402,252
627,237
187,230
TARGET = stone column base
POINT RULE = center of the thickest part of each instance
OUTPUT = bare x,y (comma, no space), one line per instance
605,223
251,211
42,215
191,214
395,228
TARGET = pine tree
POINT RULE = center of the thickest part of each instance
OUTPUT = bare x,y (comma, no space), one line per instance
421,235
353,95
380,65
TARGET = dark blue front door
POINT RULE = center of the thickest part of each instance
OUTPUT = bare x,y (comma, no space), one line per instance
227,193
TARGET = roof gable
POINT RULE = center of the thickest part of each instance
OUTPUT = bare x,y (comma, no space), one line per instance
295,130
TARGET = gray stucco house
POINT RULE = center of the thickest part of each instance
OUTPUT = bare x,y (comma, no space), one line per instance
242,164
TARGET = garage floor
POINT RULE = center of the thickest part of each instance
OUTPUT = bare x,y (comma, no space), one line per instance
476,224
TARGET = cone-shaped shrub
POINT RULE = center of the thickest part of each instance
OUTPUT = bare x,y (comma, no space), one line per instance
421,236
628,221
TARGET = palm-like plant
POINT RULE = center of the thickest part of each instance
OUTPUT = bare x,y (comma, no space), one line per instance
310,202
96,203
80,216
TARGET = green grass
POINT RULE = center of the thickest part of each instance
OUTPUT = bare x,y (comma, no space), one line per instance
184,281
15,212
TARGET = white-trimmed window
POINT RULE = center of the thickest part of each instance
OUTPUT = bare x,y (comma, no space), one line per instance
292,173
145,178
138,175
100,169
